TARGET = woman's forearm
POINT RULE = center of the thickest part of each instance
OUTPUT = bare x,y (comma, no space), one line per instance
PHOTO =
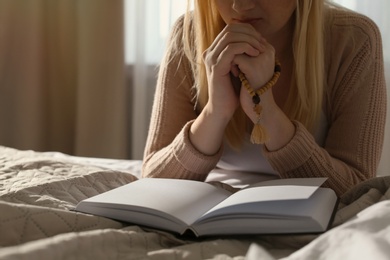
207,131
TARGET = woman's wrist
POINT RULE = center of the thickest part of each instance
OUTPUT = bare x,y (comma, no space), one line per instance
279,128
207,131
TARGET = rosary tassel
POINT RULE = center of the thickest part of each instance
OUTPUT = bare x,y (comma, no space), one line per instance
259,135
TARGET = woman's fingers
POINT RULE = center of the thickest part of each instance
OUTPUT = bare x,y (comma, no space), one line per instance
234,37
236,28
232,45
249,64
222,63
237,33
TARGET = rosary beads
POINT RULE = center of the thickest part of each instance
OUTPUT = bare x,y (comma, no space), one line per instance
259,135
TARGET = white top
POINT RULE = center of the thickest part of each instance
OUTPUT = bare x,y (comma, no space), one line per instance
248,165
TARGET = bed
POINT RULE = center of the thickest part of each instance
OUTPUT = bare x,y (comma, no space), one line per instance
38,191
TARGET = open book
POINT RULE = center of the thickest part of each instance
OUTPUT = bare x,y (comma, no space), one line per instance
271,207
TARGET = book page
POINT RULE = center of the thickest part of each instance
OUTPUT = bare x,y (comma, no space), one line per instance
265,193
278,217
182,199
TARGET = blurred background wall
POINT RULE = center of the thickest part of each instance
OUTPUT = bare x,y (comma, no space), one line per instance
62,77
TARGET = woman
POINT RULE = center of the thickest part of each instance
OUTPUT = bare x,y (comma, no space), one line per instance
323,117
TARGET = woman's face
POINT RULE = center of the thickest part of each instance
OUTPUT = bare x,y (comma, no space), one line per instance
267,16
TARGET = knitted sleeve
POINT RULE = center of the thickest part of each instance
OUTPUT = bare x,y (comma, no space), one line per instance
355,103
169,152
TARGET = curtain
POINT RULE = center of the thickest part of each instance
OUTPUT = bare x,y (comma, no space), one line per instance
62,77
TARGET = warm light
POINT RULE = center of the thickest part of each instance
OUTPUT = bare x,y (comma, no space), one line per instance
157,18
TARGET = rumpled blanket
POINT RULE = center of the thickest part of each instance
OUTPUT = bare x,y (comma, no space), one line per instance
38,191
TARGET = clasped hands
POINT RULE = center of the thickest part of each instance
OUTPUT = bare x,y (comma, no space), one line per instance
238,48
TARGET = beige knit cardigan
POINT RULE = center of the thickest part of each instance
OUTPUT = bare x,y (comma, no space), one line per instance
355,108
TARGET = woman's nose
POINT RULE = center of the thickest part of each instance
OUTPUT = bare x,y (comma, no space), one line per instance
243,5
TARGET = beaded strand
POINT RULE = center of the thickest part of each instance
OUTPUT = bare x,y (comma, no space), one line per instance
259,135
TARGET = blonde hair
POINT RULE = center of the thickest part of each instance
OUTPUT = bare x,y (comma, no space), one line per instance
304,102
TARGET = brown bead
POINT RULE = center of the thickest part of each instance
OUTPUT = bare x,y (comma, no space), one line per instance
256,99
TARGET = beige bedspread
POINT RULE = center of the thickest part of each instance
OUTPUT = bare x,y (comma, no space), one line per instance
38,191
